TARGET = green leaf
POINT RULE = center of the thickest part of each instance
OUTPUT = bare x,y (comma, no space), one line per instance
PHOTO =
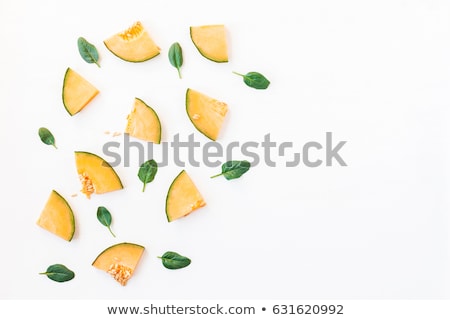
176,56
147,172
255,80
59,273
173,260
233,169
105,218
47,137
88,51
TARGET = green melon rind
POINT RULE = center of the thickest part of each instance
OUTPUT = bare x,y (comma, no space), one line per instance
63,97
189,116
157,117
169,219
114,246
72,216
127,60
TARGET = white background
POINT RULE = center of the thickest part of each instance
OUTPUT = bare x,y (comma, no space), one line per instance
375,73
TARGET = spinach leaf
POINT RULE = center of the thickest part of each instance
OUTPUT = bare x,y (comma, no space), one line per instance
173,260
104,216
233,169
147,172
47,137
88,51
254,80
176,56
59,273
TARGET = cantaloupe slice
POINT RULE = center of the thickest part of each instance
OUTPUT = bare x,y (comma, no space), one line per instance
57,217
120,260
183,197
133,44
96,175
143,122
211,41
206,113
77,92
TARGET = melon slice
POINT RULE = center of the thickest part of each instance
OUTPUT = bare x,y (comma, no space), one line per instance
143,122
206,113
133,44
183,197
211,42
96,175
120,260
77,92
57,217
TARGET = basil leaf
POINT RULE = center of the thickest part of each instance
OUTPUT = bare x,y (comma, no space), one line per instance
59,273
88,51
147,172
255,80
105,218
233,169
47,137
173,260
176,56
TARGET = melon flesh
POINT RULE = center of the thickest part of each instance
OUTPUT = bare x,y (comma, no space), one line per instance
120,260
133,44
183,197
57,217
206,114
143,122
211,41
77,92
96,175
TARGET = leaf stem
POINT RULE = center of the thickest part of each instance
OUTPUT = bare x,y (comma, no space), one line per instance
98,64
217,175
109,228
239,74
143,188
179,72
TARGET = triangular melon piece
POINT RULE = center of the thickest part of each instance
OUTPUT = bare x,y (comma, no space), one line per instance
133,44
77,92
211,41
96,175
183,197
143,122
57,217
120,260
206,113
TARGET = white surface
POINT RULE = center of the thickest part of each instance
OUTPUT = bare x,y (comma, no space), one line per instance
375,73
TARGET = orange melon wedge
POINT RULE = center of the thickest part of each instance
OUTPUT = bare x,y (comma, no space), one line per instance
77,92
143,122
96,175
120,260
133,44
57,217
211,41
182,198
206,114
